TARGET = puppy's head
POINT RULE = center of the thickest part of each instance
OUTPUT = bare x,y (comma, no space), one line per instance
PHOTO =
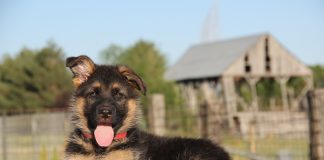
105,98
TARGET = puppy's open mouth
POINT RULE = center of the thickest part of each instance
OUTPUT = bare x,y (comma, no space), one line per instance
104,133
104,121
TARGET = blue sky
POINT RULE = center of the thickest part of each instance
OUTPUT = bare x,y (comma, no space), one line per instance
87,27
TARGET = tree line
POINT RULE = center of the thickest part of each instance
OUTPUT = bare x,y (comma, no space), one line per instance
38,79
34,79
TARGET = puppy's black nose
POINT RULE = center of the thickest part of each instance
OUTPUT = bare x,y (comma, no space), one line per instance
105,111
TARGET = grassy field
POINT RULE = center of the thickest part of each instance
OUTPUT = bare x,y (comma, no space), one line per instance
24,147
269,147
50,147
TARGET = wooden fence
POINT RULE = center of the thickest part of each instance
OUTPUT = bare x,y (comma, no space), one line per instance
316,124
37,136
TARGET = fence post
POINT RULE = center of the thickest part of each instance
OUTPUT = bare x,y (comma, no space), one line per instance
157,114
314,115
4,143
33,124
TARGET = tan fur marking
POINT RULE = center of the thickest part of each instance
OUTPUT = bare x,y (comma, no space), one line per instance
120,155
122,68
79,109
114,155
90,67
117,142
80,157
77,82
96,84
87,146
130,119
115,85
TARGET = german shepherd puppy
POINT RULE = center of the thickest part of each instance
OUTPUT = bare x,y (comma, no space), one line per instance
105,113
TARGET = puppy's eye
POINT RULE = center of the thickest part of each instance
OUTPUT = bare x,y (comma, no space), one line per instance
93,93
117,94
120,95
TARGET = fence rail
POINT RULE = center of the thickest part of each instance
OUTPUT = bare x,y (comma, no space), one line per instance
38,136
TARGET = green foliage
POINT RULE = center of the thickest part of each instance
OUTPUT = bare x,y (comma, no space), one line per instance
267,89
34,79
146,60
111,55
318,73
297,84
244,90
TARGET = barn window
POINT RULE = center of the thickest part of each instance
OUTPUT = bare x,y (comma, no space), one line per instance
267,56
247,65
246,59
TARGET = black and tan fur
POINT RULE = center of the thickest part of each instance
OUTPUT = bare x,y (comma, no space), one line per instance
118,88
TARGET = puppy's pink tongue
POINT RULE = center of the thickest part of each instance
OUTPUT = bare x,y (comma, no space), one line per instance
104,135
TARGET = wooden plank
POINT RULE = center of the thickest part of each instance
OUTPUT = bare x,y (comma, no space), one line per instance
316,124
230,99
157,114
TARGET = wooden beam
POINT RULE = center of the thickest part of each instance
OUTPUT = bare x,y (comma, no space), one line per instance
308,86
230,99
283,87
157,114
190,96
252,81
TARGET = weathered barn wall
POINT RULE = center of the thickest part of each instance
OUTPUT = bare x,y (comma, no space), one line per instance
281,61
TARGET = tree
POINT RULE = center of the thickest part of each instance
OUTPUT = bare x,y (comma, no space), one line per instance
318,73
146,60
34,79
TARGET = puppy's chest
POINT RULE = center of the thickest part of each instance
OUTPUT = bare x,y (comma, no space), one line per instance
120,155
113,155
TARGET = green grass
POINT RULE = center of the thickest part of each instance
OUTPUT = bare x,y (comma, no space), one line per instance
42,147
270,146
50,147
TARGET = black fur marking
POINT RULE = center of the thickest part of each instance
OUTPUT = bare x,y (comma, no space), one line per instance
74,148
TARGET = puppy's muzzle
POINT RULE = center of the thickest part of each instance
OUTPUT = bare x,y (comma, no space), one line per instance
105,115
105,111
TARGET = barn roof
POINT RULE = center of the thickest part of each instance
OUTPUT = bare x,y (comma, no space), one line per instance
210,59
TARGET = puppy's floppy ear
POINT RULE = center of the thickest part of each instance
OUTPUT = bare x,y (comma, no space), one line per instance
133,79
82,67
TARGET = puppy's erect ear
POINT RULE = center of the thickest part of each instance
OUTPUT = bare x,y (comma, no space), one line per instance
133,79
82,67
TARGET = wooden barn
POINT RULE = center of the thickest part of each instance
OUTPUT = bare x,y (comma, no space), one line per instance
215,69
